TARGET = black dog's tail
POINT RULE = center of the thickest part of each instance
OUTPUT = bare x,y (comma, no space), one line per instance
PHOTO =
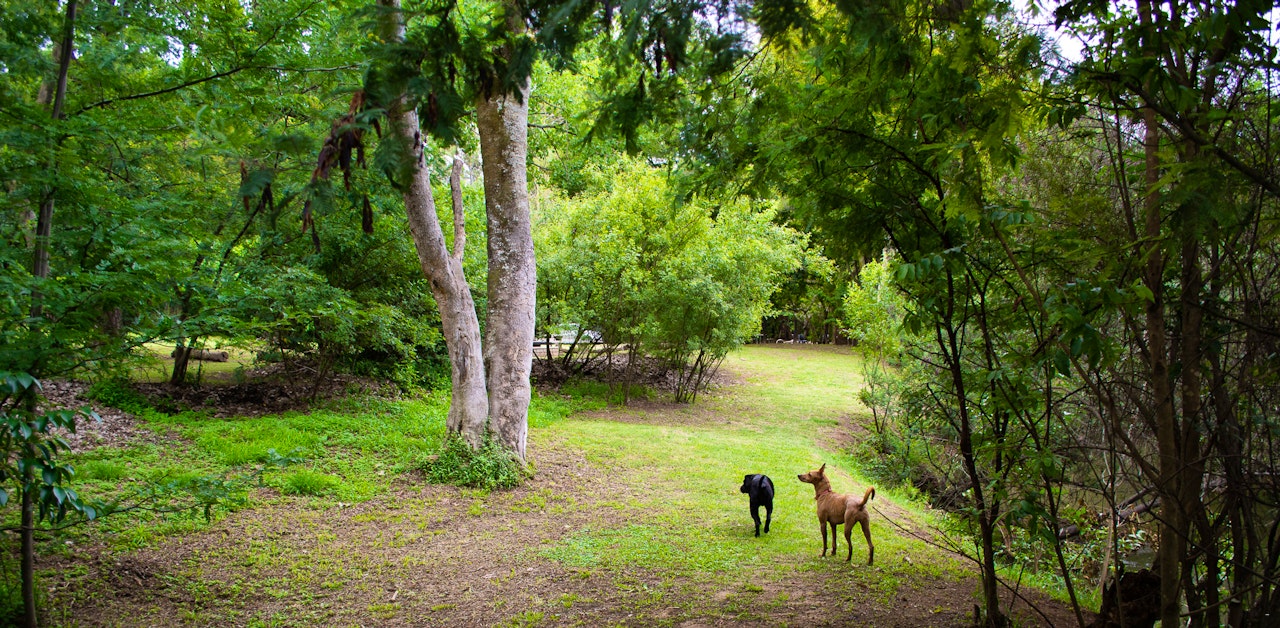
869,495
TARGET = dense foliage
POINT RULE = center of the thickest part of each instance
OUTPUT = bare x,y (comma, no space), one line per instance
178,168
1062,273
684,281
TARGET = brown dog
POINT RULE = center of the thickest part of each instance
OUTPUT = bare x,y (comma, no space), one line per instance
836,509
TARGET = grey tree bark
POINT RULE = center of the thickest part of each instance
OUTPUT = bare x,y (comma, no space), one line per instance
502,119
503,124
469,410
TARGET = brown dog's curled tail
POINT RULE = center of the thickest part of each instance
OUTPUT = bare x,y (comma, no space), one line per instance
869,495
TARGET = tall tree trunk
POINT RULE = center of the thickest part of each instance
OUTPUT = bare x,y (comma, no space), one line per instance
1191,471
40,270
503,122
182,357
469,409
44,222
1172,540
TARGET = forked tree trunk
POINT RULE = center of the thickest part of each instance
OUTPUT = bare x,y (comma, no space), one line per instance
469,409
503,123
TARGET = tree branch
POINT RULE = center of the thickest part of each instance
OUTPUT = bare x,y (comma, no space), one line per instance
459,214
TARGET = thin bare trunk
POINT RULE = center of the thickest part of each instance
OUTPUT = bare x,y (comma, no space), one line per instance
949,344
459,211
1191,472
469,410
29,616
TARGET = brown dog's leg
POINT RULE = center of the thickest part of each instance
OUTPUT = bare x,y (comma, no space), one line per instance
848,530
823,525
871,549
835,534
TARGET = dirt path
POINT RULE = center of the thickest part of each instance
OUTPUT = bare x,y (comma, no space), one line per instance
595,539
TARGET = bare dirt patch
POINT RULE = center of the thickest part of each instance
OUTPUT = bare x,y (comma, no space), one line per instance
268,390
112,427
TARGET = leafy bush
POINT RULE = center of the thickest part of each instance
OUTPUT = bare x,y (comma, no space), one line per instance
315,329
489,467
118,393
682,279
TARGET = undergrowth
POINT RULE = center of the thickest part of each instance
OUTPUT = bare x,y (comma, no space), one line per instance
488,467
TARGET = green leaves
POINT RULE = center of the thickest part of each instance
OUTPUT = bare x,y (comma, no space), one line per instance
30,452
15,383
874,308
673,278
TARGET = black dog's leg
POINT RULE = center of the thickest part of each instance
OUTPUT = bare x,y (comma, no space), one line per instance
755,515
768,516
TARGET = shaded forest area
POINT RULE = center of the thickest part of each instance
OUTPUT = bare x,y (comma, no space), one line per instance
1063,274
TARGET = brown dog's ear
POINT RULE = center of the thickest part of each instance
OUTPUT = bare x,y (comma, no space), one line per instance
823,468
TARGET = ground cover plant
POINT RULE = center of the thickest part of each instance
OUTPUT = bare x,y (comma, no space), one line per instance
632,517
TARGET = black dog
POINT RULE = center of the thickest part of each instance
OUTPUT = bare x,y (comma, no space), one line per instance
760,488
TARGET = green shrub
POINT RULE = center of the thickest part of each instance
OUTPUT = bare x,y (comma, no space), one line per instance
307,482
118,393
489,467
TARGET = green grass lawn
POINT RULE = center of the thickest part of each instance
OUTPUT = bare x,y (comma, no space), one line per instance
650,528
688,475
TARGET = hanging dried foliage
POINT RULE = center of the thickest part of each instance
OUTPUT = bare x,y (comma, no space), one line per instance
346,137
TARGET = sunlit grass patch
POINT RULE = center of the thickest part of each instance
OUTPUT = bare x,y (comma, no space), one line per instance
362,443
101,470
547,409
686,477
250,440
805,382
307,482
153,362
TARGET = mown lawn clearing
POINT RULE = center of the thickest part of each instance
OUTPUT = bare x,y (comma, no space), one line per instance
633,518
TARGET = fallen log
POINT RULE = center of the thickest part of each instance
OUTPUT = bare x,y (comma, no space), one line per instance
206,355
